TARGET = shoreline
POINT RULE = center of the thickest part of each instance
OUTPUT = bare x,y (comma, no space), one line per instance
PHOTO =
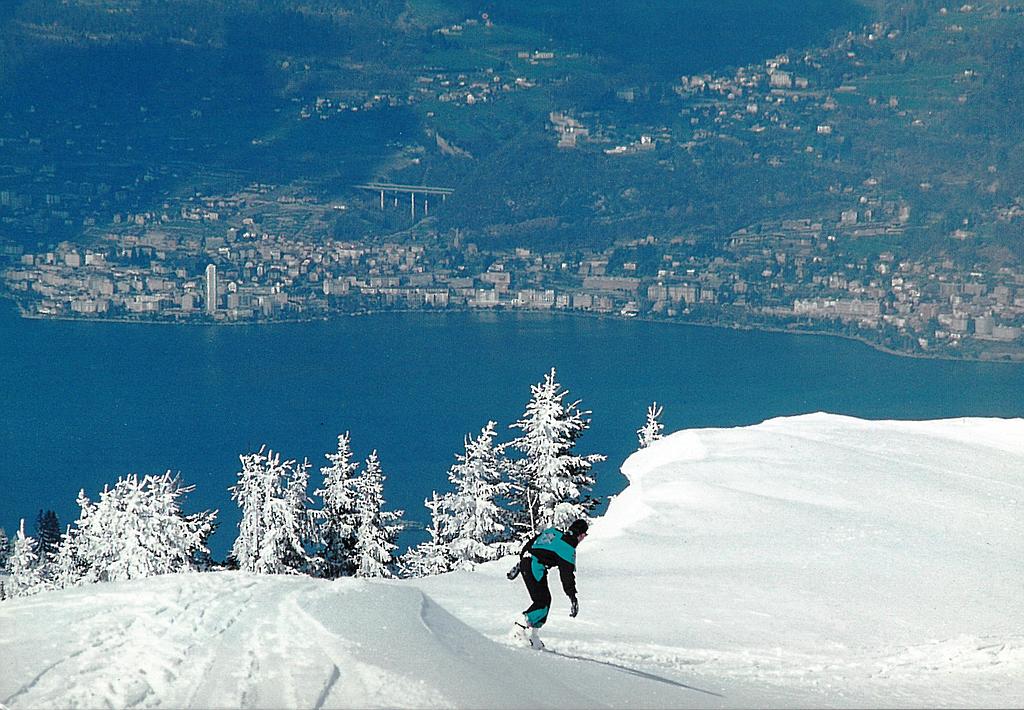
1009,359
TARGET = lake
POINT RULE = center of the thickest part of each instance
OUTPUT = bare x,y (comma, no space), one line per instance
86,402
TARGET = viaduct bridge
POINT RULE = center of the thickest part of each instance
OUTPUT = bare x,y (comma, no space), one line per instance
412,190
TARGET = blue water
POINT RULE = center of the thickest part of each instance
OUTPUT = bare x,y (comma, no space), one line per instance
86,402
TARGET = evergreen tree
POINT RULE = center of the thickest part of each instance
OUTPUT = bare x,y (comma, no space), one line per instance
47,535
135,530
5,550
340,518
68,569
270,533
300,520
477,527
431,556
550,481
202,559
376,528
651,430
257,485
26,573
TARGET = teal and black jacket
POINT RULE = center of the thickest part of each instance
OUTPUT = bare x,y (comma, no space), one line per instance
552,548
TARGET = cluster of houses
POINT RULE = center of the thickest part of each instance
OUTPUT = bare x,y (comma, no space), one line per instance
792,271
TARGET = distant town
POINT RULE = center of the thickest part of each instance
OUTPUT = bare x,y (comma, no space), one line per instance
266,252
208,260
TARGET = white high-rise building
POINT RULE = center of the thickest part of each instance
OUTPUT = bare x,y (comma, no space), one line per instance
211,288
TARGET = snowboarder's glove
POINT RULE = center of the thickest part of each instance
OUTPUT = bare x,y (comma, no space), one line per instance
574,607
514,572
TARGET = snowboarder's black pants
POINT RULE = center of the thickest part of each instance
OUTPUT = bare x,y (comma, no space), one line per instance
535,576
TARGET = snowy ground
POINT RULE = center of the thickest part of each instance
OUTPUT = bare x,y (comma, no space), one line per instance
805,562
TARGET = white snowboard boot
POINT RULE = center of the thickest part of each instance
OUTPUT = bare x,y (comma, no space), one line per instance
535,643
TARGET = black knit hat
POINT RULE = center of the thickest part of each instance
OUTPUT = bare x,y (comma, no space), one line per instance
578,528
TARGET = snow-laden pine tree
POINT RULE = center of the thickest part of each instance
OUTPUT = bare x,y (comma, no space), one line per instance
432,556
257,485
550,482
47,535
652,428
339,517
136,529
67,569
477,526
300,520
5,550
26,573
270,533
376,528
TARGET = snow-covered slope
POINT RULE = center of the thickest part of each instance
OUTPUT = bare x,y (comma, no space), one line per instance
809,561
232,640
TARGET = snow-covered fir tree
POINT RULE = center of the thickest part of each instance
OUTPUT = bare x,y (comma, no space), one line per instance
432,556
550,482
652,428
5,550
270,534
477,526
376,528
300,520
259,482
339,517
136,529
47,535
67,569
26,573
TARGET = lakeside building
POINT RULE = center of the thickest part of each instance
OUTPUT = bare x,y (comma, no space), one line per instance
211,288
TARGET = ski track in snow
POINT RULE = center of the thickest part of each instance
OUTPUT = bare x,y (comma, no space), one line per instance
135,662
211,643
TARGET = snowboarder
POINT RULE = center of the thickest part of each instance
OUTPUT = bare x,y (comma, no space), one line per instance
548,548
